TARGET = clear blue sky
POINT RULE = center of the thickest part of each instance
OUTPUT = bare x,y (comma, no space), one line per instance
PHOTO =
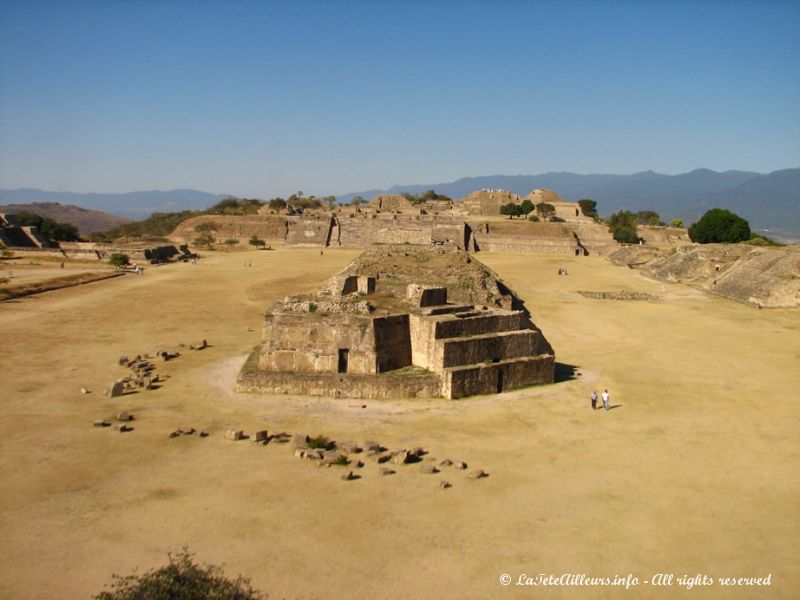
262,99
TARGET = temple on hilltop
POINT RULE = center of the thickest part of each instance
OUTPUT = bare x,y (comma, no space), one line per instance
401,322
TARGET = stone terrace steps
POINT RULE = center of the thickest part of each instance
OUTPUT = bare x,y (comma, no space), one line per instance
489,347
479,324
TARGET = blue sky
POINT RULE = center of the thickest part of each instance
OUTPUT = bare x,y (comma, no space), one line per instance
261,99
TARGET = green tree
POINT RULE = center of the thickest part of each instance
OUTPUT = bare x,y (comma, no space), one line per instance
118,259
511,209
720,226
648,217
181,579
623,226
357,201
527,207
676,223
588,207
545,209
277,204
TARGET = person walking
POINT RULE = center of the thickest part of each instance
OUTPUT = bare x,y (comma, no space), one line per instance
594,400
605,399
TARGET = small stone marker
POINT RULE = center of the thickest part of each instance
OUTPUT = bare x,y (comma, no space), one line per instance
117,388
259,437
124,416
234,434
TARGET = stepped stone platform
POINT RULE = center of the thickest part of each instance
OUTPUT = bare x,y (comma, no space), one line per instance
401,321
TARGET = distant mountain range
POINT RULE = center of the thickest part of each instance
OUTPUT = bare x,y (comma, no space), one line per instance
134,205
771,202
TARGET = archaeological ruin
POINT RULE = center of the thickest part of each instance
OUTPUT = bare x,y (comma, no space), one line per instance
473,223
401,321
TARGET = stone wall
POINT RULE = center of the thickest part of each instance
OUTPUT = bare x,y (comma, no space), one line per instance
311,343
377,387
271,228
498,377
392,342
311,230
490,347
525,237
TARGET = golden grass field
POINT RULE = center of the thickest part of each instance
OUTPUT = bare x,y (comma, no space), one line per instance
695,472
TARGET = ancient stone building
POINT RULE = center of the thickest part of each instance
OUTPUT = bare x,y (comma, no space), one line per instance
402,321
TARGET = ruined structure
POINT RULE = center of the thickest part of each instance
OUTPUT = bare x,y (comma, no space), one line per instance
764,277
402,321
14,235
473,223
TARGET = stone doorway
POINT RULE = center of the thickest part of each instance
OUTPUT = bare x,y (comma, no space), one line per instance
343,358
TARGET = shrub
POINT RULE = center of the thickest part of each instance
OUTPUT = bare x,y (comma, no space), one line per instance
625,234
312,307
555,219
181,579
533,218
206,227
676,223
720,226
320,442
230,242
206,240
117,259
256,241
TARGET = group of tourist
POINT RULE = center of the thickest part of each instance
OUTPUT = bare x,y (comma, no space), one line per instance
605,396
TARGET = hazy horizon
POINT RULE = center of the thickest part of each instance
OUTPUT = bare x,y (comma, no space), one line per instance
261,99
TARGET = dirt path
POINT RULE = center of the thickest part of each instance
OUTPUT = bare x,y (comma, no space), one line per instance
694,472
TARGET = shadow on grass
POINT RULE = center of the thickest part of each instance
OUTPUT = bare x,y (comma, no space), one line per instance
565,372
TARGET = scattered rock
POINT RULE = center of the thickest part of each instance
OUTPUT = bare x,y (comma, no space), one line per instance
299,453
124,428
400,458
203,434
187,430
117,388
446,463
445,484
350,447
417,451
124,416
84,390
348,476
387,471
101,423
259,437
175,434
373,446
477,474
460,465
234,434
428,469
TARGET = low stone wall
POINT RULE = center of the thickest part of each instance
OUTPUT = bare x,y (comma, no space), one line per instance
383,387
498,377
